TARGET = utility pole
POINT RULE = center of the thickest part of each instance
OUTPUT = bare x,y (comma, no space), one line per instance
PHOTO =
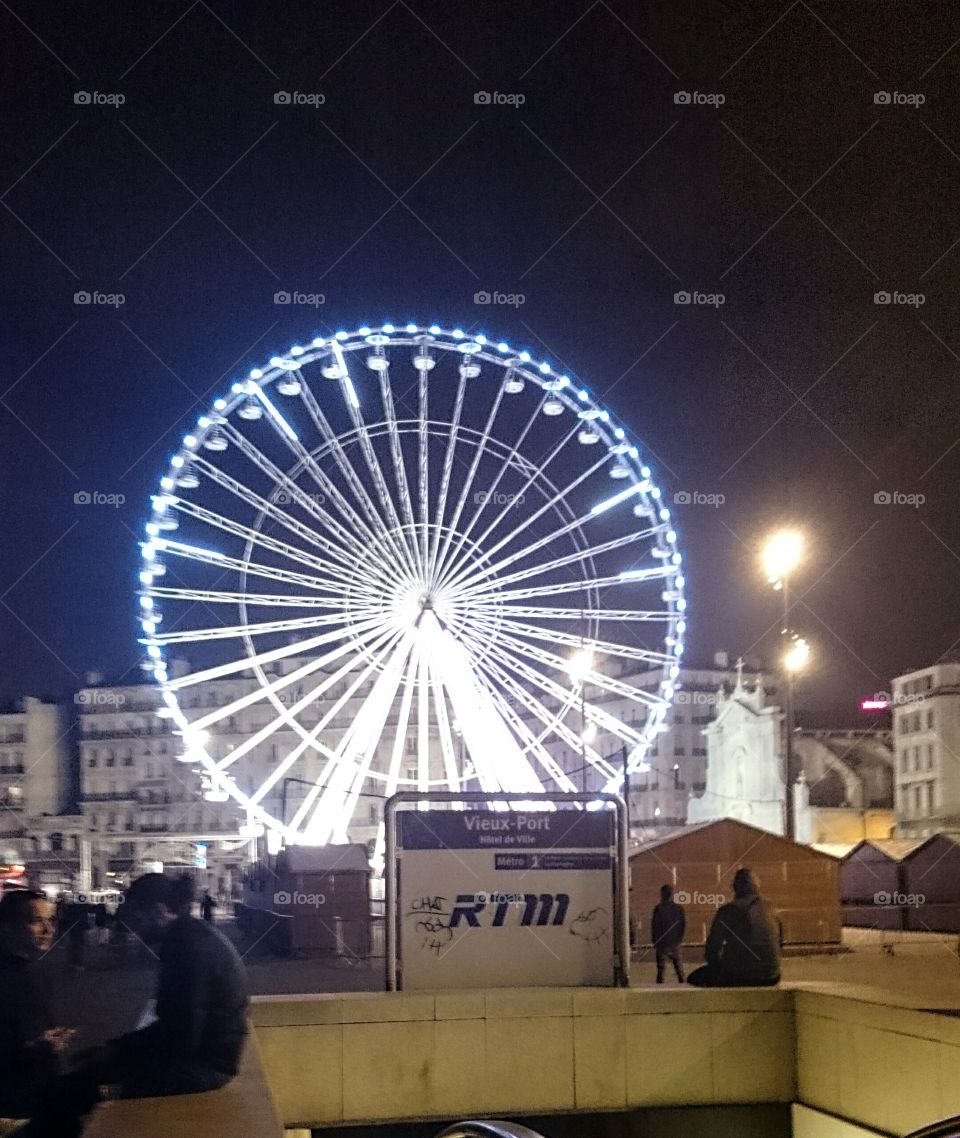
626,786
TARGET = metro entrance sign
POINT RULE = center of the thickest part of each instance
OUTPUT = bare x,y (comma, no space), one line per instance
479,897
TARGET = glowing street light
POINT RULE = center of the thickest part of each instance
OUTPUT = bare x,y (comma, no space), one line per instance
781,554
797,656
579,665
589,732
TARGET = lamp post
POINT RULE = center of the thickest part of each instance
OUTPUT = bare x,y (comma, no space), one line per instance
781,554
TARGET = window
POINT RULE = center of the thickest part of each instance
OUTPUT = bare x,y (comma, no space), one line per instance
929,756
678,717
916,758
916,799
929,798
700,752
903,760
111,759
149,770
92,761
128,760
682,751
929,720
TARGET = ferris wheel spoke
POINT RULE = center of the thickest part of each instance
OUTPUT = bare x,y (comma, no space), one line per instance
373,463
543,568
497,680
357,748
260,659
551,503
347,539
374,525
443,731
491,491
572,586
559,664
329,714
479,449
423,465
329,490
617,616
604,647
264,541
396,453
218,597
287,715
536,709
447,472
256,569
534,474
260,628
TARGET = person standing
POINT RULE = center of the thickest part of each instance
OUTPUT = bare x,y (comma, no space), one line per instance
667,926
743,945
207,905
30,1043
196,1040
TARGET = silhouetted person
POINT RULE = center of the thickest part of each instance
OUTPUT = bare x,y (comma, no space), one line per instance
77,919
743,946
195,1042
207,905
30,1043
667,927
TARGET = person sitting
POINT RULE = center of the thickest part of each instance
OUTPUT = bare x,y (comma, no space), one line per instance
743,945
198,1036
30,1043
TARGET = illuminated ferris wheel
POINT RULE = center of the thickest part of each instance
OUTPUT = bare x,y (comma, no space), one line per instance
417,551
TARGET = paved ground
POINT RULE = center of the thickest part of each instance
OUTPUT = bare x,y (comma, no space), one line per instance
106,998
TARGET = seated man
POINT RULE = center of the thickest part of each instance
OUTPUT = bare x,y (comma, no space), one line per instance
197,1038
30,1044
743,946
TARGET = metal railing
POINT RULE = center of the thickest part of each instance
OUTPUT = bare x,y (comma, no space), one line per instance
945,1128
490,1128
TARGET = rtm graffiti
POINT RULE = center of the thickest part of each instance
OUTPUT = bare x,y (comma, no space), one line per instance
468,908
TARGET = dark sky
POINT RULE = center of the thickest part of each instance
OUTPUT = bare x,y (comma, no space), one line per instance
797,198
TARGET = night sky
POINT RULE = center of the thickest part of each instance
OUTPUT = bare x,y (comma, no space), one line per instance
782,184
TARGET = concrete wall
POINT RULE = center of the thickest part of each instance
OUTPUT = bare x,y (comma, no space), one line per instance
353,1059
856,1061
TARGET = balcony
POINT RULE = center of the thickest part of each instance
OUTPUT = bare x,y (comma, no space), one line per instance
109,796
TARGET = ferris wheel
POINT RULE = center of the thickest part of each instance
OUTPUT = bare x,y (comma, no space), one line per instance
409,558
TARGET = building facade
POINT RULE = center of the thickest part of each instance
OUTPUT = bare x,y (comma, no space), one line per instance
926,733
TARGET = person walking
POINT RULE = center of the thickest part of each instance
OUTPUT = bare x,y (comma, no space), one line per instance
667,926
743,945
196,1040
31,1044
207,905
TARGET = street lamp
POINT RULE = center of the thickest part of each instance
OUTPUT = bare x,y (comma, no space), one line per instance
781,554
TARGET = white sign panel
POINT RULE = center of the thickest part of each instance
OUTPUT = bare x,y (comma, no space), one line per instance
505,898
